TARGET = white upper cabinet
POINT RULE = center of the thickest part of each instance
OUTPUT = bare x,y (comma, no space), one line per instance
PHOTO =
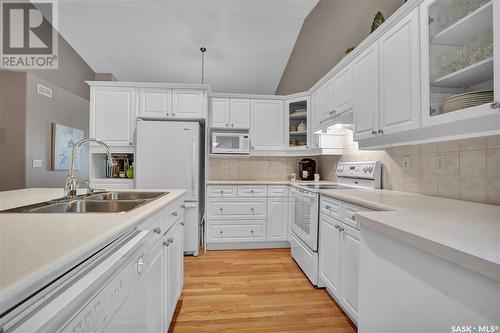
327,100
188,103
366,93
239,113
220,113
400,76
316,110
155,103
342,87
113,115
458,61
232,113
267,125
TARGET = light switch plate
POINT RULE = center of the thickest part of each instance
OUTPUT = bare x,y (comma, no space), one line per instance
37,163
405,163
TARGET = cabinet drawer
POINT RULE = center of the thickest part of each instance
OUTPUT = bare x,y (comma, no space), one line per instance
222,191
228,232
156,226
175,212
252,190
349,212
236,208
331,207
277,190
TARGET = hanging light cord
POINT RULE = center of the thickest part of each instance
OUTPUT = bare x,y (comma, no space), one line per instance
203,50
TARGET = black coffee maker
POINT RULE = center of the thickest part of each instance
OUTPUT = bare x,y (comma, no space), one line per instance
307,169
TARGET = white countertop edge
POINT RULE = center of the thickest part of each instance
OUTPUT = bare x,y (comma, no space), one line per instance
31,284
456,256
266,182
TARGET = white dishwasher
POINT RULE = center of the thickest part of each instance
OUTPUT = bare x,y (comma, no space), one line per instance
92,297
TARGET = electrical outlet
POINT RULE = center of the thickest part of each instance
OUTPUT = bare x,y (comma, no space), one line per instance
405,163
441,163
37,163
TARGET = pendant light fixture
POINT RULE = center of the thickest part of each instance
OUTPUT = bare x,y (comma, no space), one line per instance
203,50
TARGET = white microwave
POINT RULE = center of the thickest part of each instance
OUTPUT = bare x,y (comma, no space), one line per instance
230,143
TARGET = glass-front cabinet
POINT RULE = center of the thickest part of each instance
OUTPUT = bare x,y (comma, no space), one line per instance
458,59
297,117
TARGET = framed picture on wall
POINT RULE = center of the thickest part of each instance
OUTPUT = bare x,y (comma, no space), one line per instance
63,139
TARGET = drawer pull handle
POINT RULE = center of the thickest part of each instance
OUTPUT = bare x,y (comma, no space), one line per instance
183,223
221,191
174,214
157,230
251,191
252,209
251,231
328,206
341,229
171,240
166,243
337,226
140,265
183,205
221,232
353,217
221,209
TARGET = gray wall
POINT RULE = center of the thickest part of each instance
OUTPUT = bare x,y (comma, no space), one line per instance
330,28
12,130
63,108
72,73
26,118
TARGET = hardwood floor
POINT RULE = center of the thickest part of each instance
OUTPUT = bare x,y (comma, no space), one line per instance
253,291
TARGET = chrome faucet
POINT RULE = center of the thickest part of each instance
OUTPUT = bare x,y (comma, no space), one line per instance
71,186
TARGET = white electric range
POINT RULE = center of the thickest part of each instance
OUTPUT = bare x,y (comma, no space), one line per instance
304,201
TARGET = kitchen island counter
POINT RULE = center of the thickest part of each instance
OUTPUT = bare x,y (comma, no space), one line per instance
35,249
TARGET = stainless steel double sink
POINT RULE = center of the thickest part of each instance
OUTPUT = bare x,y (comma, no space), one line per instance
103,202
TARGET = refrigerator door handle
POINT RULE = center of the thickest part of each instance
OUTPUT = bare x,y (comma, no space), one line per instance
193,171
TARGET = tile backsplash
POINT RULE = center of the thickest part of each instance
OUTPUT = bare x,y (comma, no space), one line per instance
466,169
253,168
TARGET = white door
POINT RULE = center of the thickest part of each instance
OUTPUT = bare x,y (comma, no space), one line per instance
188,103
167,156
349,269
400,76
329,253
327,100
173,275
220,113
155,103
239,113
316,110
180,256
267,130
343,91
155,278
366,93
112,115
277,217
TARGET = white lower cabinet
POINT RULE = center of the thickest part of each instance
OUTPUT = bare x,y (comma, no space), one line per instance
339,243
253,215
329,249
349,269
173,258
277,218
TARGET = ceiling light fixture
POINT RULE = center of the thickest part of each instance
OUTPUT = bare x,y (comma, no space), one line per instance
203,50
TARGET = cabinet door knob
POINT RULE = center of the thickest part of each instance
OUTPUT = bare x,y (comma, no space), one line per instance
174,214
353,217
380,131
183,223
374,132
170,239
232,125
341,229
166,243
173,114
328,206
337,226
252,209
157,230
130,143
183,205
221,209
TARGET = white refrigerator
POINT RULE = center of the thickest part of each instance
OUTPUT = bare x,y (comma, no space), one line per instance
168,156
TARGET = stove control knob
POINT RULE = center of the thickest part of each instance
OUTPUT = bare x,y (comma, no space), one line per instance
370,168
365,169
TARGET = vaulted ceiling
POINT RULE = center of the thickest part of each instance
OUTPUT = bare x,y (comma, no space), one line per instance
248,41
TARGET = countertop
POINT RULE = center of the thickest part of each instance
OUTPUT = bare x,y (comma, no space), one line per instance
37,248
265,182
462,232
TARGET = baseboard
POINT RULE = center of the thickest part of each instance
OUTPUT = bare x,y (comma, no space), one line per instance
248,245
